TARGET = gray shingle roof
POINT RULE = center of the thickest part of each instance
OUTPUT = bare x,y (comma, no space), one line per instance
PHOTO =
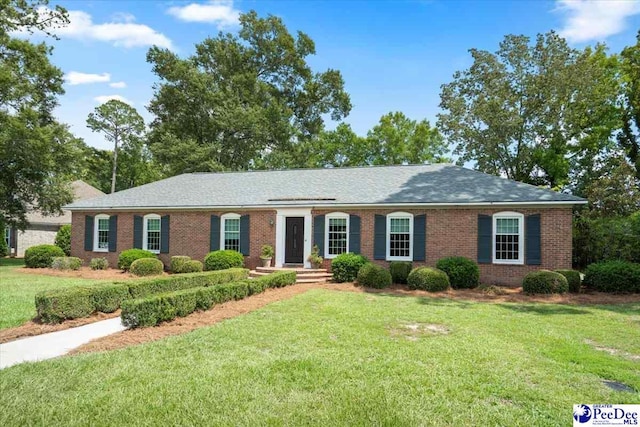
413,184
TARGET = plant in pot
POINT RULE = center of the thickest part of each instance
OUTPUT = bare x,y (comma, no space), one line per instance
266,254
314,258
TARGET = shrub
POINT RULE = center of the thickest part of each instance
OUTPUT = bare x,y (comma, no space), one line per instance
63,239
221,260
41,256
192,266
146,267
428,279
4,248
266,252
99,264
57,305
107,298
127,257
208,297
177,262
66,263
573,279
374,276
613,276
545,282
400,271
345,266
462,272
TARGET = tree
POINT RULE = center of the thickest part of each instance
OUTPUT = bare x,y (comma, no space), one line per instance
239,98
629,137
532,112
35,151
339,147
120,123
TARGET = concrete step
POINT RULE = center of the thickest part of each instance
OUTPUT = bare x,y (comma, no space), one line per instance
296,269
299,275
303,275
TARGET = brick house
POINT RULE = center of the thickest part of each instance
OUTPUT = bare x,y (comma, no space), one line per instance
417,213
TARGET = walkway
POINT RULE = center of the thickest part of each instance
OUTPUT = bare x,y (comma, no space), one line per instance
54,344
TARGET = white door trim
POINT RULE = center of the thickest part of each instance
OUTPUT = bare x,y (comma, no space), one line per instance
281,215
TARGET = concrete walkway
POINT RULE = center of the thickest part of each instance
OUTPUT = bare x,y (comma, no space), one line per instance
54,344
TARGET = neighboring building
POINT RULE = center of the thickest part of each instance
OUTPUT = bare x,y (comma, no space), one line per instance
417,213
42,229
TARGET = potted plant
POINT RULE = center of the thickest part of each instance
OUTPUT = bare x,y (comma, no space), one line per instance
314,258
266,254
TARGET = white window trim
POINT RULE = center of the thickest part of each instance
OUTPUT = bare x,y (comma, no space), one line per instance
96,222
145,236
223,218
509,215
327,217
388,236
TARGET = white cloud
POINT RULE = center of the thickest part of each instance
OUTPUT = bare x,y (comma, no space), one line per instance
77,78
118,85
104,98
121,31
596,19
218,12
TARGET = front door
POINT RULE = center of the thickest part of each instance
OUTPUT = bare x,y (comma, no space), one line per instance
294,241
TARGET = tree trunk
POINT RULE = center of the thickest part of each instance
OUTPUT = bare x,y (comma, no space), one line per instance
115,166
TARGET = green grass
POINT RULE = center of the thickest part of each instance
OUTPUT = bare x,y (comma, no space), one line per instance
18,290
332,358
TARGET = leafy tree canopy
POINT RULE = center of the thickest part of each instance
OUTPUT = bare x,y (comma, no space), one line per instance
629,137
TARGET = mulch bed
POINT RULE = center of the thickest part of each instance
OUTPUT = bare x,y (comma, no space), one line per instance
82,273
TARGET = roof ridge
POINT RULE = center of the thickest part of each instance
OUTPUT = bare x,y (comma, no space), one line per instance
320,169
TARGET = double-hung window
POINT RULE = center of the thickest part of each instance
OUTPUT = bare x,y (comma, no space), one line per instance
336,234
101,233
152,228
399,237
230,233
508,238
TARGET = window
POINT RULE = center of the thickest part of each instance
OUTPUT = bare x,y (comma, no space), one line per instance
7,237
152,233
336,234
230,233
508,242
399,237
101,233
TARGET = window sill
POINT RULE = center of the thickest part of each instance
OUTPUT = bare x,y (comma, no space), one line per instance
153,252
398,258
101,250
518,262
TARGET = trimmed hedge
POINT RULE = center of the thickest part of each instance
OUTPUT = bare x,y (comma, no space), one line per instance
544,282
573,278
223,259
345,266
146,267
400,271
462,272
155,309
177,263
99,264
192,266
66,263
127,257
428,279
70,303
613,276
374,276
41,256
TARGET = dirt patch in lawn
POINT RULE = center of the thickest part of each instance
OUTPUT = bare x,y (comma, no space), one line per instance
613,351
413,331
32,327
82,273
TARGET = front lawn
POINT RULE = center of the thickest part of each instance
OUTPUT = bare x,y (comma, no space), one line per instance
343,358
18,290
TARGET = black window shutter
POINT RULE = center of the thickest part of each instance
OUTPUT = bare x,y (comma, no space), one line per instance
354,234
164,234
420,237
318,233
137,232
485,237
380,237
113,233
532,240
88,233
214,242
244,235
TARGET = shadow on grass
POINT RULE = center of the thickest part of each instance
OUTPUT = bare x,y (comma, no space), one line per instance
11,262
548,309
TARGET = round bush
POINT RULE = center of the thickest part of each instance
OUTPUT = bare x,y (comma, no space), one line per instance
374,276
573,278
400,271
66,263
146,267
99,264
221,260
63,239
177,263
613,276
41,256
127,257
545,282
428,279
192,266
345,266
463,272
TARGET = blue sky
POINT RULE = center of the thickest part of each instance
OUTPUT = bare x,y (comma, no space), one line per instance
393,55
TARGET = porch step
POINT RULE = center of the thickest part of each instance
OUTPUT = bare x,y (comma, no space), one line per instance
301,270
303,275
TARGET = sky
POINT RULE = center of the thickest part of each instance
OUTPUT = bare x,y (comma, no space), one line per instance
393,55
